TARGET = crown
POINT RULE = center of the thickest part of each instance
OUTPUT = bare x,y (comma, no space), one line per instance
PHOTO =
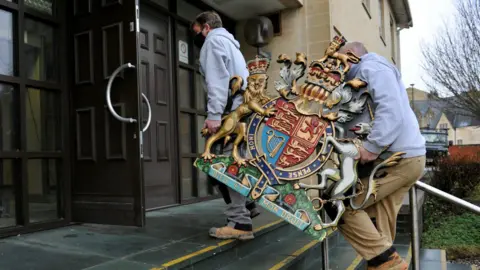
259,65
339,41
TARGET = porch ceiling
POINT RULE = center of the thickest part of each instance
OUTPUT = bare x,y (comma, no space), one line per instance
402,13
244,9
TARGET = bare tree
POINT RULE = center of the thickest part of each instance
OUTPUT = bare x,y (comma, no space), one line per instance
452,61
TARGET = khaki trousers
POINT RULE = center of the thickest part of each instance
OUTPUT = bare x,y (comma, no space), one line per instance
367,238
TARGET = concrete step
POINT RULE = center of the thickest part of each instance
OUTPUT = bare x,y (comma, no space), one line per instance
341,257
458,266
216,250
172,239
433,259
260,253
284,248
430,259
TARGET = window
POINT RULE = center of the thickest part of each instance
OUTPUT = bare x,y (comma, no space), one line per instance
366,6
9,120
459,142
192,115
40,51
187,10
444,126
30,114
435,138
43,6
9,169
393,33
381,14
276,20
43,120
6,43
43,176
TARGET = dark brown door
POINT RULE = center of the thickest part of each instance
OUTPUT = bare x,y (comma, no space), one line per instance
107,178
155,77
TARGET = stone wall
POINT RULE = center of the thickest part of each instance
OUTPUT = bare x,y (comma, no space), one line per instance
357,21
305,29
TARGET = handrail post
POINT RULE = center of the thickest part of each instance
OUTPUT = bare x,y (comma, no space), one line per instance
414,229
325,261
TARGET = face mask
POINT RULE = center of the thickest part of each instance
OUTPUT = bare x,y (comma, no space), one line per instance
199,39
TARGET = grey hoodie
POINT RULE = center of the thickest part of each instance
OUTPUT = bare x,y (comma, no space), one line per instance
395,126
220,59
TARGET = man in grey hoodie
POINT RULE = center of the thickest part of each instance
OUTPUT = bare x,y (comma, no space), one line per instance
371,231
220,59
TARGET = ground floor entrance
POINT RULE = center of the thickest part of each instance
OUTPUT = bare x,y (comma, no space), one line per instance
72,153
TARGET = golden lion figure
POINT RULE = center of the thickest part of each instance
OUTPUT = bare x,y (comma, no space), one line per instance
332,49
254,98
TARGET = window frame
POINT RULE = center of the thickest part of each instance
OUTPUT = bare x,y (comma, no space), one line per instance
393,39
21,82
366,5
381,27
193,113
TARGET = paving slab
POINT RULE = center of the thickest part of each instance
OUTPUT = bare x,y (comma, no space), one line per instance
160,255
169,234
22,256
122,265
458,266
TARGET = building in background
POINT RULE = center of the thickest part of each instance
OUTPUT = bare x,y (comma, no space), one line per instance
431,114
417,94
462,130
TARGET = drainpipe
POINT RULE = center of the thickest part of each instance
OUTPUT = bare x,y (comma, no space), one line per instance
413,97
398,49
455,135
455,130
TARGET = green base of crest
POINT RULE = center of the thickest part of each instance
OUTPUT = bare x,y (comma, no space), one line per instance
289,199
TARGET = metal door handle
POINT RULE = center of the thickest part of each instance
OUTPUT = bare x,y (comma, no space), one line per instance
109,90
149,119
109,99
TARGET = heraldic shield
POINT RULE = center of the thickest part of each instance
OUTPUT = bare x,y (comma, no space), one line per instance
298,134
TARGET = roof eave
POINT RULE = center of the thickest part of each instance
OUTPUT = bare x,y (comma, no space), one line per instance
403,14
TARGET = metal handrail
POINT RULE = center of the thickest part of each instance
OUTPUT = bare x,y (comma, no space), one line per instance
448,197
414,213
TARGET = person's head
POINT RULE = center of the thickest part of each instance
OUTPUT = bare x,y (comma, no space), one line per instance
203,24
355,47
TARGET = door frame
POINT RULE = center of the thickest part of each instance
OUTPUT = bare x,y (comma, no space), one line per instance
172,101
173,98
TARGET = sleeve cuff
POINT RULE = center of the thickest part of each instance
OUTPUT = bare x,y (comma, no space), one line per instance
372,148
216,117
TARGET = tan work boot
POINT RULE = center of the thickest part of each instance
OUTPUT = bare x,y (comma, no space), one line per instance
395,262
230,233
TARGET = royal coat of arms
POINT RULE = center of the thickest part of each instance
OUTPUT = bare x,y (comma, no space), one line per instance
294,136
